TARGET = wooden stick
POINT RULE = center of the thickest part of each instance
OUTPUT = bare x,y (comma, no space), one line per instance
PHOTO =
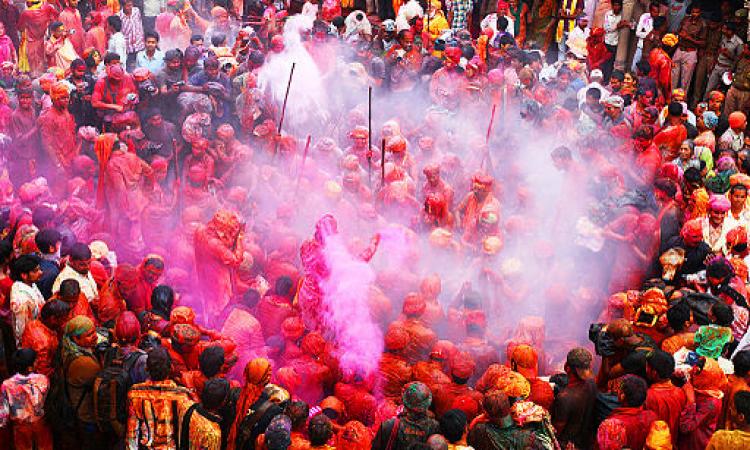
369,136
283,109
382,163
302,165
488,157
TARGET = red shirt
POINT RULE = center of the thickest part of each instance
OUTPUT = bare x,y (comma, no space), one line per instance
648,162
637,423
667,401
108,92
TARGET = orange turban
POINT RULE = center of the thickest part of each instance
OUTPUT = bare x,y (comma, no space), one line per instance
514,385
59,90
711,378
354,436
525,359
182,314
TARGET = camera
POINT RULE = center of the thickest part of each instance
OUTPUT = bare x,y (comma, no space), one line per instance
604,345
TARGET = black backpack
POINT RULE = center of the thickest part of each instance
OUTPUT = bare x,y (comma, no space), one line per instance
110,391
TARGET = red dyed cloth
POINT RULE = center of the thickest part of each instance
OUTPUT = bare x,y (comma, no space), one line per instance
214,263
483,354
34,23
430,373
661,70
43,341
421,342
396,372
698,422
360,403
57,130
667,401
271,311
669,139
444,397
637,423
314,379
541,393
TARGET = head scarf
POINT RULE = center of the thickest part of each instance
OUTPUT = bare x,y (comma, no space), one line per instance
354,436
526,360
670,40
127,327
737,119
414,305
396,338
710,119
719,203
257,375
417,397
659,437
514,385
76,327
614,100
463,365
293,328
711,380
612,435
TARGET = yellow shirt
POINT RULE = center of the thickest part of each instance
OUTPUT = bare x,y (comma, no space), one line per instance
729,440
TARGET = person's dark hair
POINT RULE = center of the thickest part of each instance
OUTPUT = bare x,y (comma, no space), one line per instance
24,359
211,360
173,54
506,39
453,425
502,23
692,175
54,308
667,186
741,363
723,314
662,363
55,25
692,7
47,239
595,93
675,109
250,299
115,22
644,66
80,252
731,27
195,37
70,288
218,39
732,190
678,315
215,393
496,404
43,216
644,132
319,429
162,299
123,2
110,57
256,57
562,152
283,286
151,34
158,364
158,263
659,21
211,63
618,75
23,265
634,390
6,251
742,404
298,411
338,22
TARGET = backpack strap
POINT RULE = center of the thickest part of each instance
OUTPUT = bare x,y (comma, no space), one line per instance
394,433
184,432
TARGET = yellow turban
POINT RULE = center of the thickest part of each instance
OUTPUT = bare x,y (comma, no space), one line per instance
670,40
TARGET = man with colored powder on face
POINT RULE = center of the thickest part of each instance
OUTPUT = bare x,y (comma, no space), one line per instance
696,250
57,130
32,24
447,82
479,205
714,228
219,250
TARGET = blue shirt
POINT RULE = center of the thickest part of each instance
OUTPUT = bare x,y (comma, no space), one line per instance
154,64
50,270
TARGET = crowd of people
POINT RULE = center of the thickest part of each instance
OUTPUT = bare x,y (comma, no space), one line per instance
374,225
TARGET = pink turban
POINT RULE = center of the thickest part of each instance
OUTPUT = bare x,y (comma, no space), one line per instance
718,203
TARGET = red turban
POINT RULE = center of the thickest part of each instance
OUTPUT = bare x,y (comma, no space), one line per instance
354,436
127,327
414,305
126,274
185,334
737,120
313,344
61,90
182,314
692,229
463,365
98,272
292,328
396,338
443,350
468,405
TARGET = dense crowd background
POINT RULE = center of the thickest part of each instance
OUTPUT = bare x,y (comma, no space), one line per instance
374,224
